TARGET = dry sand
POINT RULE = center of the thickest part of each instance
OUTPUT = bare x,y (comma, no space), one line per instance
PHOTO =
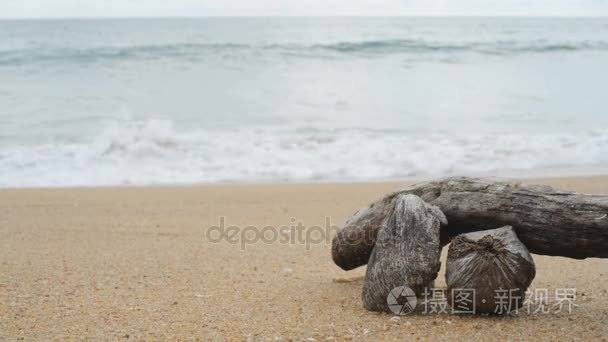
135,263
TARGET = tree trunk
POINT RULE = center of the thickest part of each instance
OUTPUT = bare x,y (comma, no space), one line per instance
547,220
406,253
488,272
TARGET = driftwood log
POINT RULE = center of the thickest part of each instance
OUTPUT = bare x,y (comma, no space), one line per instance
547,220
406,253
488,271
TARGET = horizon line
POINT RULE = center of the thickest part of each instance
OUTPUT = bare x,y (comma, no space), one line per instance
306,16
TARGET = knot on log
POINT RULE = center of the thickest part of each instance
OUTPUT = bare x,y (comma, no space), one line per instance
486,247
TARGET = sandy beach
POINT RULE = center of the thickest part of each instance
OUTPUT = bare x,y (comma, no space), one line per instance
141,264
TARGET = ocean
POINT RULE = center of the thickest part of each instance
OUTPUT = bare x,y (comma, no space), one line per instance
245,100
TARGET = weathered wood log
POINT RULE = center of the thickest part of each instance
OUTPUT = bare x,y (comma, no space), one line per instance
547,220
406,252
488,271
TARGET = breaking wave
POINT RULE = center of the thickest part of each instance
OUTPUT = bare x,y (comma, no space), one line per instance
155,152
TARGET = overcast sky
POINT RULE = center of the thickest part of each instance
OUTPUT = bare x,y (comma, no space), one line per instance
130,8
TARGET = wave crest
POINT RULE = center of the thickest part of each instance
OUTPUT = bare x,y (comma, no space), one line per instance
362,48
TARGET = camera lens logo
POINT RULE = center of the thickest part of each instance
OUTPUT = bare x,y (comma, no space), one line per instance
401,300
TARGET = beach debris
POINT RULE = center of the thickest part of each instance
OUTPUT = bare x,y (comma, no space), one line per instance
406,252
548,221
348,279
492,268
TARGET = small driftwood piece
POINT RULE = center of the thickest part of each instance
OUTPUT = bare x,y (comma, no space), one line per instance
492,268
406,253
547,220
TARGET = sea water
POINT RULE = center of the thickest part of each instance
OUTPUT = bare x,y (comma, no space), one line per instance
181,101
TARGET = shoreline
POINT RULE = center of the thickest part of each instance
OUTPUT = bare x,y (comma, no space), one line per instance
528,177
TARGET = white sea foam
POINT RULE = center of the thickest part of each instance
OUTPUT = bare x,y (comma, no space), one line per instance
154,152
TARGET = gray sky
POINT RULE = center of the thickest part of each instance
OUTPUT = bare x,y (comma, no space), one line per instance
122,8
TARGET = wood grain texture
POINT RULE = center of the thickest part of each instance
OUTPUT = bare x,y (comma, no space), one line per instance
406,253
547,220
